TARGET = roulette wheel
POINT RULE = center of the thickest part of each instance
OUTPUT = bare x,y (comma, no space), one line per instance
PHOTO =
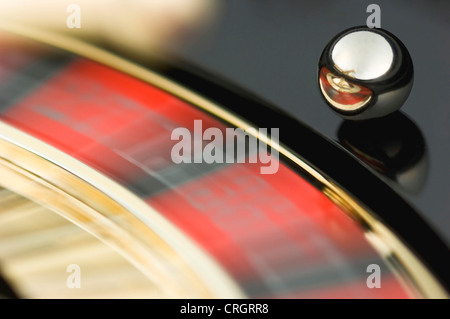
93,204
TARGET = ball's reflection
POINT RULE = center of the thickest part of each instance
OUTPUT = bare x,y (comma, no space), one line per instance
393,146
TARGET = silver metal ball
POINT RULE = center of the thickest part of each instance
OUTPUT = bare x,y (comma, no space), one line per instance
365,73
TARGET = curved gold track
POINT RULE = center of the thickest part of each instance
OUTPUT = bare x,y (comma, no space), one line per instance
47,176
379,234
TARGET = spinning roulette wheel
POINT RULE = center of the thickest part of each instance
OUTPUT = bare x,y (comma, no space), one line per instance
88,181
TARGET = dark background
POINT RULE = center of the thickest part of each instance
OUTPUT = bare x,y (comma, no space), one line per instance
272,48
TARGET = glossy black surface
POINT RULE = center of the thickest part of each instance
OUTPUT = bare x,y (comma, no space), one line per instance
397,151
272,48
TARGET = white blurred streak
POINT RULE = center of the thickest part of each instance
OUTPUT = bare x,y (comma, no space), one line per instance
144,28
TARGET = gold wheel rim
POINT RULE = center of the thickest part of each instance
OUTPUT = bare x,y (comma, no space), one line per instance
396,253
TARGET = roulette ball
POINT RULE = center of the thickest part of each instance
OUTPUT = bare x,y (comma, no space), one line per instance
372,73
